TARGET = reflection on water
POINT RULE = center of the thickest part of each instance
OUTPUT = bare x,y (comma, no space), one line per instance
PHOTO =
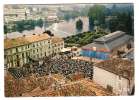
61,29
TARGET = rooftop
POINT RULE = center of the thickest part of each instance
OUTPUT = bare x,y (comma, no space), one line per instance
56,39
109,42
10,43
110,36
82,87
122,67
54,85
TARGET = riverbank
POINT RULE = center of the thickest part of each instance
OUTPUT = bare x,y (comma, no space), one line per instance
62,29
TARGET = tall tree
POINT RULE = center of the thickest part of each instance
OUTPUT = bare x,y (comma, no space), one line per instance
114,9
79,25
123,22
91,23
98,13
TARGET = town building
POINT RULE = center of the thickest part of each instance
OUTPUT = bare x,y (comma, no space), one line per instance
14,13
51,15
116,75
19,51
108,46
57,44
73,51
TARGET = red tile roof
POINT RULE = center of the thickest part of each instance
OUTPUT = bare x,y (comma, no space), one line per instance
124,68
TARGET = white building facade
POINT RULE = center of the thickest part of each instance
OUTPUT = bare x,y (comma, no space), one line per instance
115,83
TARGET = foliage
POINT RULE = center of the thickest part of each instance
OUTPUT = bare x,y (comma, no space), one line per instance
123,22
97,12
91,23
120,17
22,25
79,25
70,15
83,38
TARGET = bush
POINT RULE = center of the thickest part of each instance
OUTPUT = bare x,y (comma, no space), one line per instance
84,38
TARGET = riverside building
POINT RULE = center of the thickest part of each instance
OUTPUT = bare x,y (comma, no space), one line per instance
18,51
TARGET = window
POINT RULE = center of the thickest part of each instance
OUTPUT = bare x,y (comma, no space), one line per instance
26,54
22,55
28,46
16,50
49,47
17,57
45,53
33,51
18,63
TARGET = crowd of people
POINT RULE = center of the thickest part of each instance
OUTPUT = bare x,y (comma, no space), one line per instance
52,65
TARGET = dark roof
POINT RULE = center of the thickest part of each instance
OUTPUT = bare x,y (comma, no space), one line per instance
129,55
110,36
97,45
121,67
110,41
15,72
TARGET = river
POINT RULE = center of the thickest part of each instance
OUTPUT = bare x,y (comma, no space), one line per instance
61,29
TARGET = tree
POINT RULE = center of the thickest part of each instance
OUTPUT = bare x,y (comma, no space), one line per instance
79,25
39,23
91,24
123,22
114,9
97,12
22,25
112,24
